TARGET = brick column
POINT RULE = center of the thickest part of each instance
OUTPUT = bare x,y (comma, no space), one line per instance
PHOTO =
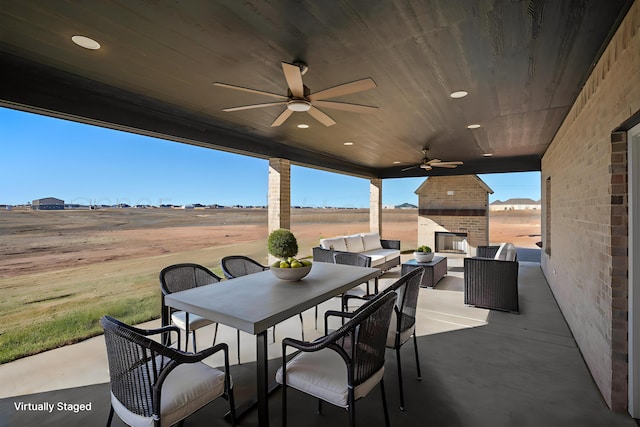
618,251
375,206
279,194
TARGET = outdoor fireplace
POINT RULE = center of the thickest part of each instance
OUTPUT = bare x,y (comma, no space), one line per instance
448,242
453,214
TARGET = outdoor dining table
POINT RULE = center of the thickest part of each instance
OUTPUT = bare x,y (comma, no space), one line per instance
255,302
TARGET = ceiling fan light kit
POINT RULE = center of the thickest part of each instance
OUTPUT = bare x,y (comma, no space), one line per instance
298,105
300,99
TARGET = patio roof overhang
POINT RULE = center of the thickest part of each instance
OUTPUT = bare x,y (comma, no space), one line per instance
523,64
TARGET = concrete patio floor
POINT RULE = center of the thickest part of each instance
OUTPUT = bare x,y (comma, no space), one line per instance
480,367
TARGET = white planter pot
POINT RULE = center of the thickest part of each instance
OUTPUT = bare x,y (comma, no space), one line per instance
291,274
423,256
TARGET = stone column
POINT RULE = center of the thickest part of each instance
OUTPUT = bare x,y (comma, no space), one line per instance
375,205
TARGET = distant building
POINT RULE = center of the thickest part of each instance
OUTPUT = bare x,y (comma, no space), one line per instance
515,205
406,206
47,204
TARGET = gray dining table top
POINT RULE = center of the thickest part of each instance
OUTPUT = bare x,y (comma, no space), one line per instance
255,302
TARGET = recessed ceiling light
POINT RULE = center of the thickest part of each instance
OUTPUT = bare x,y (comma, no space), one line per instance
487,155
396,162
348,143
86,42
303,126
459,94
473,126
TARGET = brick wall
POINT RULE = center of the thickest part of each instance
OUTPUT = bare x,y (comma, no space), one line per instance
454,204
279,215
585,212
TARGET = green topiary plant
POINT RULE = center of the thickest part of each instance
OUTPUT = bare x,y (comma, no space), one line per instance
424,248
282,244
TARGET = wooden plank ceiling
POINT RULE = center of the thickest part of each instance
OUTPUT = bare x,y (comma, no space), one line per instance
522,62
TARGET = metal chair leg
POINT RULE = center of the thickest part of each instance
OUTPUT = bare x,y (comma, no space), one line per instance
215,333
301,325
384,403
238,341
400,379
415,347
110,416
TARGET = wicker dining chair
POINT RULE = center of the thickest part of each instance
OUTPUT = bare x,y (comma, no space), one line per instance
240,265
358,260
403,319
358,346
153,384
180,277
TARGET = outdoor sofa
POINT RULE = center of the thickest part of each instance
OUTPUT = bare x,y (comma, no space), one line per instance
491,278
384,254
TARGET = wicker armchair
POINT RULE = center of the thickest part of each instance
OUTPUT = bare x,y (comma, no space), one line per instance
180,277
155,384
358,346
492,282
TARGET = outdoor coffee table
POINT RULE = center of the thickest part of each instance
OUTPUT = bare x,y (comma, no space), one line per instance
255,302
433,270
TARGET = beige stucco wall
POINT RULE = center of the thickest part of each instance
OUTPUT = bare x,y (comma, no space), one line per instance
585,212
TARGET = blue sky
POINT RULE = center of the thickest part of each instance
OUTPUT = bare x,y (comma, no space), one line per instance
47,157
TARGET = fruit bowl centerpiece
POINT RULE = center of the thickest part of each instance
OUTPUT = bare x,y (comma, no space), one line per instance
282,244
423,254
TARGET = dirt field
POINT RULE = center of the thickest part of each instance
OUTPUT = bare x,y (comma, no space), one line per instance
60,271
44,241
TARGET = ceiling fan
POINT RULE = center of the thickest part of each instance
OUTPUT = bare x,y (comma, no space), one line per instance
299,98
428,164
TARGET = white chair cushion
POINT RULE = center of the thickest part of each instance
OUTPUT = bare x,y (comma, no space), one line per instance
509,251
354,243
335,243
323,374
371,241
500,254
179,319
187,388
391,334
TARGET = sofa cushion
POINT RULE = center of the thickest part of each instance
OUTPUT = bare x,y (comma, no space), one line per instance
371,241
376,259
335,243
386,254
354,243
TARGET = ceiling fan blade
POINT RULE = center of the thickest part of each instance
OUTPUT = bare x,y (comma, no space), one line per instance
246,89
344,89
294,79
410,167
321,117
443,165
282,117
432,161
354,108
249,107
447,163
